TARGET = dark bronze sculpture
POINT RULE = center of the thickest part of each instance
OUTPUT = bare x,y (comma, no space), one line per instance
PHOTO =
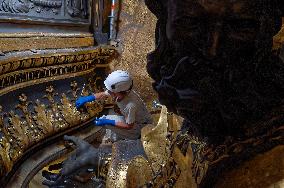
85,156
213,65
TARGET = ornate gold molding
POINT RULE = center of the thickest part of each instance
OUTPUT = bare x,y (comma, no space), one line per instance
16,73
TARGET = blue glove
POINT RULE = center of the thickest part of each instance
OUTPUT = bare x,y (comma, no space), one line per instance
104,121
82,100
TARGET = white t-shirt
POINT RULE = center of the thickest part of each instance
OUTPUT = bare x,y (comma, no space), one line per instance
134,111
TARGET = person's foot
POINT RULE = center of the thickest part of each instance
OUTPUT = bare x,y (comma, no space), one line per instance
49,176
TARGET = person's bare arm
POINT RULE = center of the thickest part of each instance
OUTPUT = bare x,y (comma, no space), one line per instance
101,95
123,125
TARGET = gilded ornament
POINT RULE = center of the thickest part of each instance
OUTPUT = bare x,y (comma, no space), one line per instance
43,119
21,133
5,147
18,132
69,112
155,142
139,172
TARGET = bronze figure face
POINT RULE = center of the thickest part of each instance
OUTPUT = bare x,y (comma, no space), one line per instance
213,64
220,30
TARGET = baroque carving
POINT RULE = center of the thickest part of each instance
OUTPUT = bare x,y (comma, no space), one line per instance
47,4
77,8
174,157
14,6
35,121
117,169
18,73
14,78
51,11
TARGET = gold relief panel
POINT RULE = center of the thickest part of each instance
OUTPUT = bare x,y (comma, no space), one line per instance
31,122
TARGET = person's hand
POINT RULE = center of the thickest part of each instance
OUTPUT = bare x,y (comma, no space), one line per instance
104,121
82,100
101,95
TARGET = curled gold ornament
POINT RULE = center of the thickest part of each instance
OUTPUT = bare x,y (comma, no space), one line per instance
155,142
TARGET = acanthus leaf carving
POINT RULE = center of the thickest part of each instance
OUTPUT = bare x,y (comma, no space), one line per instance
23,105
19,133
69,111
74,89
43,118
58,121
5,145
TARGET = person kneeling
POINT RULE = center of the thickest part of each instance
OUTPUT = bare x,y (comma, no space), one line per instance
134,112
